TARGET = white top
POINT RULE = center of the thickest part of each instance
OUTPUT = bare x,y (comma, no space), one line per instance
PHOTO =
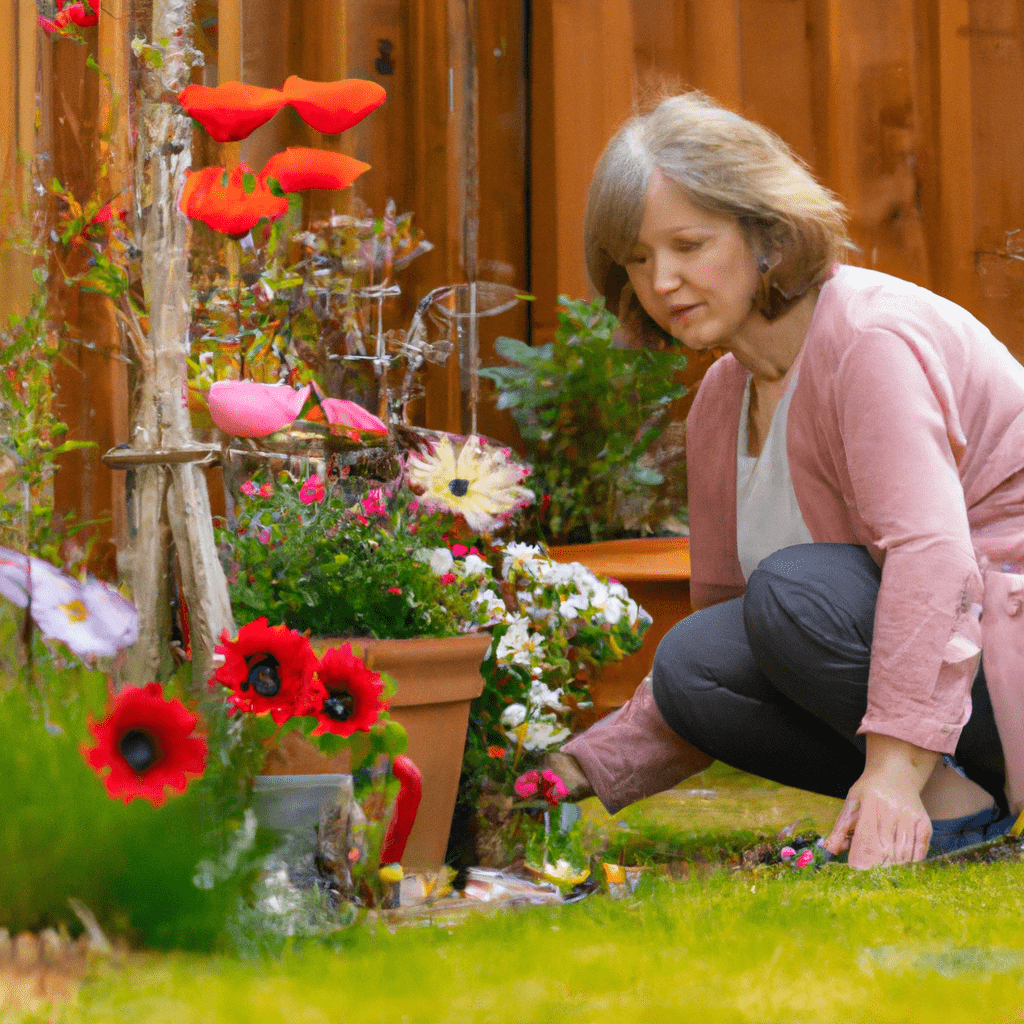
767,514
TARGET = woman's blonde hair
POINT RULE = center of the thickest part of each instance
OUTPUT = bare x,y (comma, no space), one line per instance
725,165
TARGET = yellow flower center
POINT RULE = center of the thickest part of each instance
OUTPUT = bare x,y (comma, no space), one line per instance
75,611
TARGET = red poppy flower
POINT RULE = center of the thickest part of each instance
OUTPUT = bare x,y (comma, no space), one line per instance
354,694
146,741
269,670
231,111
331,107
232,204
298,169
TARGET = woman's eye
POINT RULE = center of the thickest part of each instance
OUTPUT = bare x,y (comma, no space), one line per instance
634,258
687,244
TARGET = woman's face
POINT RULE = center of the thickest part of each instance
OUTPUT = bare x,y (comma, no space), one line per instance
692,271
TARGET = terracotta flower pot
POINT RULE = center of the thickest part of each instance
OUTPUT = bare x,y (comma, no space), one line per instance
656,572
437,680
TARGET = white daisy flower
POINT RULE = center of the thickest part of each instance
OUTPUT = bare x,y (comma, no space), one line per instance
479,483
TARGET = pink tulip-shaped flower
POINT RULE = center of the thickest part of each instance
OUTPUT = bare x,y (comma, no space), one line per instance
344,413
247,409
806,857
787,853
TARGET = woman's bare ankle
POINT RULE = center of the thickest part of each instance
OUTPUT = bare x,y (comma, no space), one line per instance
947,794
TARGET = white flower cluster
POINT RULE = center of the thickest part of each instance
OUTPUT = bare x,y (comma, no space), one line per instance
555,601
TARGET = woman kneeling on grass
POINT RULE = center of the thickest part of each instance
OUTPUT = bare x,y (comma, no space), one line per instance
856,486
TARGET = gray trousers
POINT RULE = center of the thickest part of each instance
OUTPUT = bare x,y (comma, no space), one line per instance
775,682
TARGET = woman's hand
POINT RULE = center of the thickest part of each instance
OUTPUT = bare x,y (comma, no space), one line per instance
883,820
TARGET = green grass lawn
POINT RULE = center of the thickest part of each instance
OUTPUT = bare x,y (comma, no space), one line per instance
935,942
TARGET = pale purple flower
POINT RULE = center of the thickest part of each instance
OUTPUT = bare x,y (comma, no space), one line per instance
91,618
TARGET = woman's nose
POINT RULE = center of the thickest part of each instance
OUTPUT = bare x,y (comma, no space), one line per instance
666,277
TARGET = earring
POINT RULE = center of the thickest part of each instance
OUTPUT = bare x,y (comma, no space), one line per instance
762,264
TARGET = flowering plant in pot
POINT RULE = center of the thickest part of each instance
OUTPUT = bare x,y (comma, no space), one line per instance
421,555
274,682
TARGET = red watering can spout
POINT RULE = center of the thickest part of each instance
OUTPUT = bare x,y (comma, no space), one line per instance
406,805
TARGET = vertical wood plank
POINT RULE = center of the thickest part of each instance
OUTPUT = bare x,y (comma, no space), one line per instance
660,49
503,256
774,34
563,158
996,42
956,167
875,134
715,49
15,269
114,107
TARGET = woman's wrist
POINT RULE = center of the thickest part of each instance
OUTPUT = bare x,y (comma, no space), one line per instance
899,760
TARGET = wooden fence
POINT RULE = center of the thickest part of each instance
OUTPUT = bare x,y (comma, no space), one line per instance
912,110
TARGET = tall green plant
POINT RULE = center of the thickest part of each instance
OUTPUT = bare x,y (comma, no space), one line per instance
590,415
31,434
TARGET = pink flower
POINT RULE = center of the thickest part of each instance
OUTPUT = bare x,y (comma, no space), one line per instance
248,488
265,536
547,783
394,590
806,857
372,503
460,551
448,579
312,490
247,409
343,413
266,490
787,853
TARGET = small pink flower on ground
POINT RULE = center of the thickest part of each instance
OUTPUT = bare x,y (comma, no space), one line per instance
460,551
312,490
248,488
448,578
264,536
394,590
266,490
787,853
413,505
806,857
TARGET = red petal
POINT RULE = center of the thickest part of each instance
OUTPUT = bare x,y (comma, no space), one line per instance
229,208
331,107
231,111
82,17
298,169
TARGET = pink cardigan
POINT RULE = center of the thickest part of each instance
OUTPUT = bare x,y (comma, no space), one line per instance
905,434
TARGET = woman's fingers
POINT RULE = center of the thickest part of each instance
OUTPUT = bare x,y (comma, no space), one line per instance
889,832
842,830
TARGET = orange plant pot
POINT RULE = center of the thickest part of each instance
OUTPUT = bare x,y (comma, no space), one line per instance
656,572
437,680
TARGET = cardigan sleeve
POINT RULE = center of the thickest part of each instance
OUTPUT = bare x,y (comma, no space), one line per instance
900,480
